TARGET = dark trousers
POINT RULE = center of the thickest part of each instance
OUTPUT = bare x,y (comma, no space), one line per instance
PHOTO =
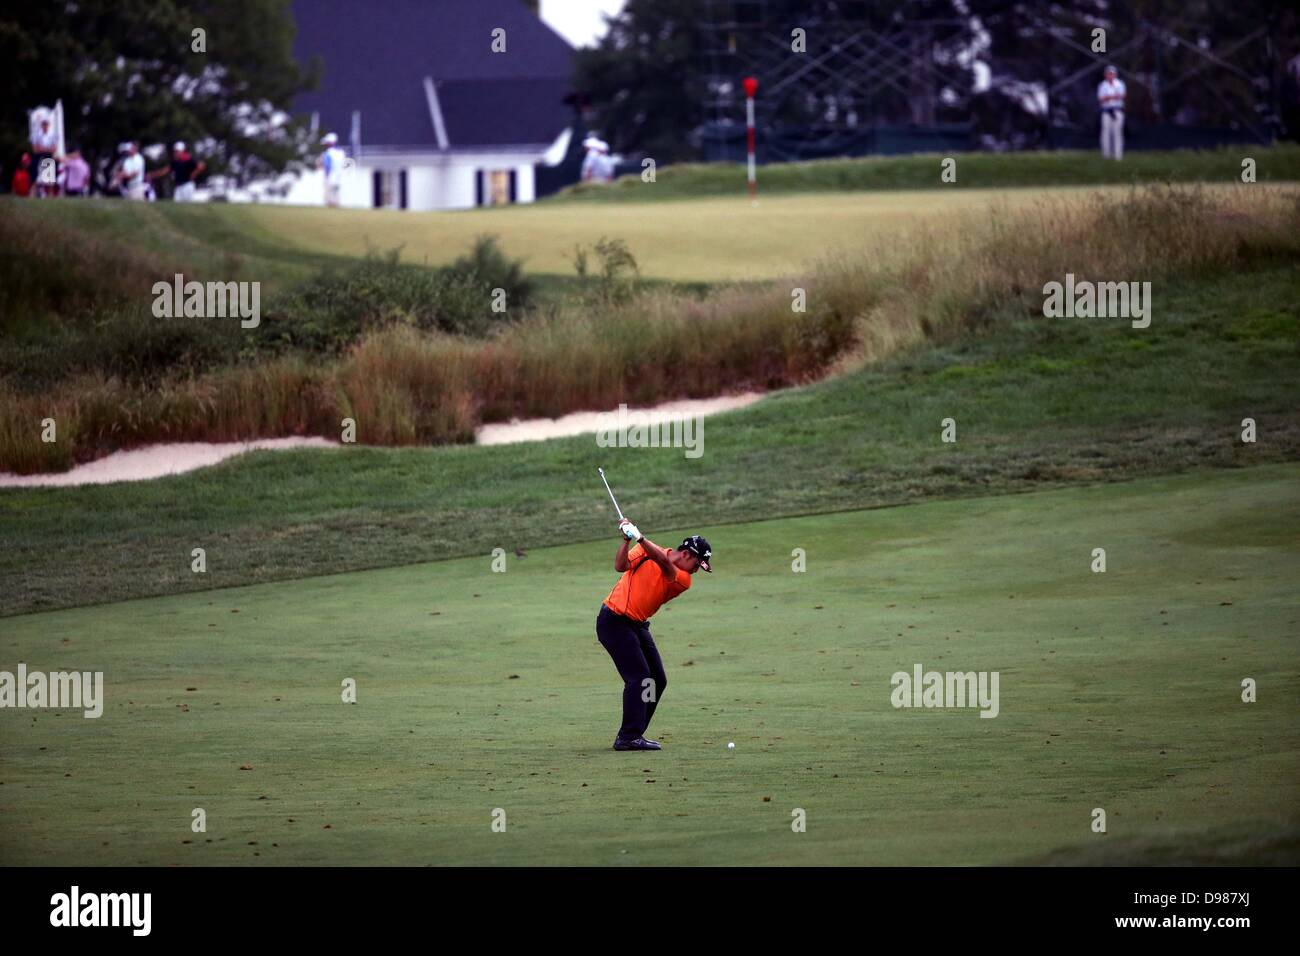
633,649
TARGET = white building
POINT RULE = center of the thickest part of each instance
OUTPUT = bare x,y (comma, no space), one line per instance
432,112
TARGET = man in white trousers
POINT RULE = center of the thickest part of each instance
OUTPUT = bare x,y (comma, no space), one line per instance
1110,97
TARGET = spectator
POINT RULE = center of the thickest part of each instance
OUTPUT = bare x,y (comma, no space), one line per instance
332,161
130,175
598,166
44,142
75,175
1110,97
21,185
184,170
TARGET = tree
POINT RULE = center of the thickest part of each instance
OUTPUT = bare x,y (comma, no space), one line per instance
667,68
644,80
1015,69
138,70
1186,62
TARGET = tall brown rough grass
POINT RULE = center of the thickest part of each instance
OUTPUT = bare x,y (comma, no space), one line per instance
404,387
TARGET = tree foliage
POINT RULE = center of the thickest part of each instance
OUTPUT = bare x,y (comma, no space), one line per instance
135,69
1188,62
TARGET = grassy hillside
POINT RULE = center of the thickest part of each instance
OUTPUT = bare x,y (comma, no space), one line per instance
479,691
975,171
703,241
1037,402
410,375
710,239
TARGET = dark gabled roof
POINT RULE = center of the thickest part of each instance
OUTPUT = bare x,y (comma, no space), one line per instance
376,54
530,105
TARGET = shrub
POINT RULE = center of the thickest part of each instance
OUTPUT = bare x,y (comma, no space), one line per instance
487,267
617,280
335,308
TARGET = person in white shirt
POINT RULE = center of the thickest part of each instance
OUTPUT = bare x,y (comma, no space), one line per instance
131,173
1110,98
44,144
607,165
332,162
598,166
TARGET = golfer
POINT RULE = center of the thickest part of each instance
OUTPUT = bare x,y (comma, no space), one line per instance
651,577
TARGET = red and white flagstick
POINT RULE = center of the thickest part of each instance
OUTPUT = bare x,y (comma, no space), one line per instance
751,87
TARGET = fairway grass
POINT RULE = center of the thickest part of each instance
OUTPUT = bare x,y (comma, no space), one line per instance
1038,403
693,241
698,240
977,170
479,690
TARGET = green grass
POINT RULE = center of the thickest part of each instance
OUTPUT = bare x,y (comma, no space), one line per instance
1037,402
77,279
685,239
235,243
479,691
206,241
974,171
697,242
140,380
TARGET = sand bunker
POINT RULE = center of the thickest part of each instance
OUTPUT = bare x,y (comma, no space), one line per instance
582,423
155,461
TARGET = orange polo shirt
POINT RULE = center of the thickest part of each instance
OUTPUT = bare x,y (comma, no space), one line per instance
643,589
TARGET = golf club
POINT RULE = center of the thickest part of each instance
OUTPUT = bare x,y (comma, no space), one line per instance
611,494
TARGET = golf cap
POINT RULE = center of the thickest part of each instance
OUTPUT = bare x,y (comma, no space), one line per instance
700,548
329,139
179,146
1110,68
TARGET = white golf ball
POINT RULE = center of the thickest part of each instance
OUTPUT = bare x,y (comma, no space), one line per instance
731,746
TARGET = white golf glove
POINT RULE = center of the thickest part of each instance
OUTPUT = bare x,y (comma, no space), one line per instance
630,531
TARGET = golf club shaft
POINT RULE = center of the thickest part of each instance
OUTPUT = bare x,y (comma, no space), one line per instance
611,494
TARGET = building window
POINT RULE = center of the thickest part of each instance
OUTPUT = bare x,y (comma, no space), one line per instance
496,187
499,187
390,189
